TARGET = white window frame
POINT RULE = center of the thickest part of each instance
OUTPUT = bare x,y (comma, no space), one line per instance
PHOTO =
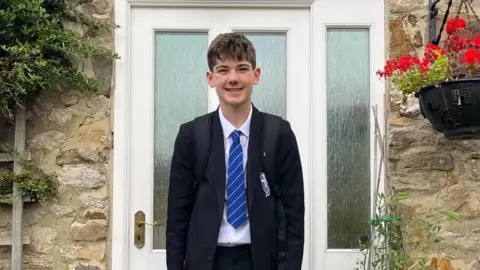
355,14
360,13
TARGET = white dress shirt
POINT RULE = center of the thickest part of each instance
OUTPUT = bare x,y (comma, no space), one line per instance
229,236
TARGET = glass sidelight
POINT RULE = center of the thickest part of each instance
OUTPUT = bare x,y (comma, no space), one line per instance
348,114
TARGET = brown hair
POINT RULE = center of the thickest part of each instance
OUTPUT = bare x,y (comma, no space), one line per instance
233,46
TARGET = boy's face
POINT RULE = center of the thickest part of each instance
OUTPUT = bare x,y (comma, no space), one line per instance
233,80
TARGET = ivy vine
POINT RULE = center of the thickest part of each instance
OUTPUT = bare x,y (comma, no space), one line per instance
33,181
37,49
40,42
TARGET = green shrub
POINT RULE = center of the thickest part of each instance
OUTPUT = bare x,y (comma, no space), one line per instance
37,50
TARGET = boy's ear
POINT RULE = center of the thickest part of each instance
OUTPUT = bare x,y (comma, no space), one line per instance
209,76
256,73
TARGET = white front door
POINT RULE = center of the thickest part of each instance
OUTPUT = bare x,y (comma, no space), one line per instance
168,87
318,71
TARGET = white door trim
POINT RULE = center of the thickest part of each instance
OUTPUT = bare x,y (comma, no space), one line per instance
120,219
223,3
359,14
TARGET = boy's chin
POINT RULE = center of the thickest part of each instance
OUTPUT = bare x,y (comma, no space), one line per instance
234,102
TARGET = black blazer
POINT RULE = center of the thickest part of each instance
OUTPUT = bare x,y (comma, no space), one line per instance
193,227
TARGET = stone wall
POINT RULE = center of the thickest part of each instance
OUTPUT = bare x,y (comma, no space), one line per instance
70,133
438,174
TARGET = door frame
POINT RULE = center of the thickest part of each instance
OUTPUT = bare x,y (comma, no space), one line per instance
372,18
120,220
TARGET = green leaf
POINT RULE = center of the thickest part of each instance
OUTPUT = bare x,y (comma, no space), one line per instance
403,181
403,195
452,215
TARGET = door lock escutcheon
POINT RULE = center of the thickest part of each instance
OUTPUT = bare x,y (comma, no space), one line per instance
139,228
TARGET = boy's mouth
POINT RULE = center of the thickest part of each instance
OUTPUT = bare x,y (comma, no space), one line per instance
233,89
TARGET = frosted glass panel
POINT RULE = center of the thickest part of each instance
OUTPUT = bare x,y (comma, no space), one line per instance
348,86
270,94
180,95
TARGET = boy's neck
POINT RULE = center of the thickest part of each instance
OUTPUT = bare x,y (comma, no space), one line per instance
236,115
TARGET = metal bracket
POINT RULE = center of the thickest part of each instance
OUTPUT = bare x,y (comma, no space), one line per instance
432,24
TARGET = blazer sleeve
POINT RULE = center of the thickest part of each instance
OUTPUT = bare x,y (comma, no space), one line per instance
180,198
293,198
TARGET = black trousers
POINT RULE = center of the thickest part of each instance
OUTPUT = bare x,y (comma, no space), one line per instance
233,258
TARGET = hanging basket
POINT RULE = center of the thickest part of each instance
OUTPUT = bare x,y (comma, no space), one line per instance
453,108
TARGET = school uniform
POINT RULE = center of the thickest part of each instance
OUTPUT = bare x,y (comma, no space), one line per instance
229,222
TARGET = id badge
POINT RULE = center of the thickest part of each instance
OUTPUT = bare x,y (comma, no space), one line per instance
266,188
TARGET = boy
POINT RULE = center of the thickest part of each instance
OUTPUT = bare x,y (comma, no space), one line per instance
229,221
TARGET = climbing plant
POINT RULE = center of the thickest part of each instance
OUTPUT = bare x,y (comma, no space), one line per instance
38,46
40,43
399,243
33,181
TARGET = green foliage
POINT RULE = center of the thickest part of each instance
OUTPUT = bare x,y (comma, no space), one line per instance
37,50
398,244
413,79
32,181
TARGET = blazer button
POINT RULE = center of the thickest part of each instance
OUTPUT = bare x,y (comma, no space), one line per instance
209,258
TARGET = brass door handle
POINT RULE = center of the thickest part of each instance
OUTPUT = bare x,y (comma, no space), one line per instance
155,223
139,228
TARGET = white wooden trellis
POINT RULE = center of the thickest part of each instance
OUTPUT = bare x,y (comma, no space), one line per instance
17,240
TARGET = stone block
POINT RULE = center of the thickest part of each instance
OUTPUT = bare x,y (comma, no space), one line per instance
85,266
416,159
94,201
95,135
81,155
401,138
43,238
471,170
47,141
89,176
408,6
418,183
99,108
410,209
400,43
103,68
462,200
70,99
62,210
85,251
95,214
93,230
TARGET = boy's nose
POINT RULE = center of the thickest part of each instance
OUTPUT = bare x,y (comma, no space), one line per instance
232,77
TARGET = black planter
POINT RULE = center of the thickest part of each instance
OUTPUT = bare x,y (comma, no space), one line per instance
453,108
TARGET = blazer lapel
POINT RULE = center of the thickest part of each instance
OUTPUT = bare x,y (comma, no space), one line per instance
216,163
253,162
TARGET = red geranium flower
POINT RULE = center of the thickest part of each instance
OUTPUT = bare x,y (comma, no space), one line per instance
471,57
455,24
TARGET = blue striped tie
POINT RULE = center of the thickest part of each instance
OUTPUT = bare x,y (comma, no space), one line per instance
236,199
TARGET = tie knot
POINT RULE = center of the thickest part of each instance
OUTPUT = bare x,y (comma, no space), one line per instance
236,135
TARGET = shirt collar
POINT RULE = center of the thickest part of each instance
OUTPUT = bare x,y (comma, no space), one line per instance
228,128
